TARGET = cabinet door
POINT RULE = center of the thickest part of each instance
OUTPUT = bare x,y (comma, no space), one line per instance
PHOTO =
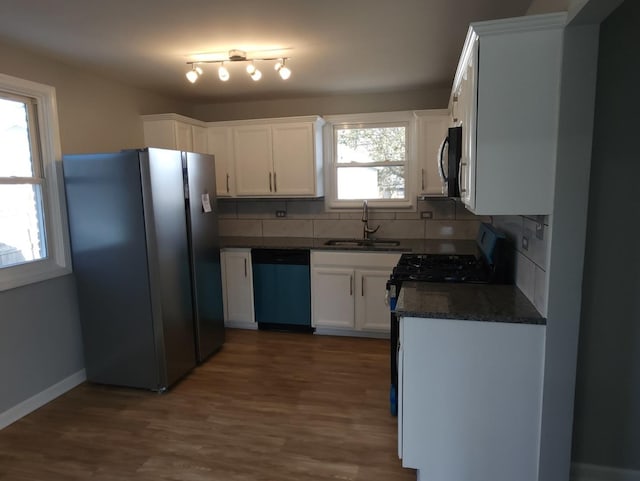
253,160
184,137
372,312
467,99
332,302
293,159
220,145
160,134
199,136
432,130
237,286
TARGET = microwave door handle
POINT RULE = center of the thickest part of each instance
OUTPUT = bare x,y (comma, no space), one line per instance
444,144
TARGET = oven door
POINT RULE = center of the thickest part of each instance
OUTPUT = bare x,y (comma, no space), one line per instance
393,289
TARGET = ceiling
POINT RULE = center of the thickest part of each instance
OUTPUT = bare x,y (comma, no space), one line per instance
345,46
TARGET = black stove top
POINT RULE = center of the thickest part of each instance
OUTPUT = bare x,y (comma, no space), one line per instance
441,268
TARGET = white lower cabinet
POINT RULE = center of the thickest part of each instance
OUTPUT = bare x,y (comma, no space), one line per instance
470,399
348,291
237,288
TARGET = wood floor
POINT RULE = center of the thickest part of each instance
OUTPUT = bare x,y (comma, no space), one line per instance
269,406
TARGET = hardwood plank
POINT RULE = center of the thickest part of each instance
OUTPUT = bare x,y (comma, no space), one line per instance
269,406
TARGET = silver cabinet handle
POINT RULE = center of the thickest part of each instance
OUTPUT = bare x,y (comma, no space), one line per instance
228,183
350,285
422,176
270,188
275,183
245,267
460,178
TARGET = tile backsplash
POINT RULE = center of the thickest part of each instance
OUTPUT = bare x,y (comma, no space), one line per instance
529,237
433,219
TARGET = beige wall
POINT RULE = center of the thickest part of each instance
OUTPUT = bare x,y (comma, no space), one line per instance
547,6
95,114
436,98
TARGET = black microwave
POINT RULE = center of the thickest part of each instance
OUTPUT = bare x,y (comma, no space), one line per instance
449,162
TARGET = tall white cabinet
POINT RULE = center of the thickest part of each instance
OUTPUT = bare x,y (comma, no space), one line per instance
506,97
237,288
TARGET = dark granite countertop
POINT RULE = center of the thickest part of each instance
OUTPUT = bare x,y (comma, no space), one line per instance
475,302
426,246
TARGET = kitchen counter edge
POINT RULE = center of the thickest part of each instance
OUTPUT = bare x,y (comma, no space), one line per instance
467,302
425,246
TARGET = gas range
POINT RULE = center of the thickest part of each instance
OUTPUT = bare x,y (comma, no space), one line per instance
488,266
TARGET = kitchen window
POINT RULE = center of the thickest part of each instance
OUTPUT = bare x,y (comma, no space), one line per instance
369,157
33,239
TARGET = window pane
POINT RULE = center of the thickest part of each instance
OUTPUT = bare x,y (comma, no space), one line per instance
375,144
21,224
15,149
371,183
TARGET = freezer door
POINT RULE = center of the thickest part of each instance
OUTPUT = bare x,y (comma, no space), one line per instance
169,263
205,253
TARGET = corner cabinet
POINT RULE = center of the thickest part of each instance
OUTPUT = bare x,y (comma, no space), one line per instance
237,288
431,128
279,158
505,96
348,291
173,131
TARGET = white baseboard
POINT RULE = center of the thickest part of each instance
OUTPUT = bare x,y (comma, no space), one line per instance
327,331
36,401
241,325
593,472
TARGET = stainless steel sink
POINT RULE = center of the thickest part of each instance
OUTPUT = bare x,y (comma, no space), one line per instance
362,243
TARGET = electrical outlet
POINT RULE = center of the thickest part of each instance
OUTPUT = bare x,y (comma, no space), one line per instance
281,213
426,214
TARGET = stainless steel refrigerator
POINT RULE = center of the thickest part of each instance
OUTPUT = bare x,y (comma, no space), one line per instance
146,257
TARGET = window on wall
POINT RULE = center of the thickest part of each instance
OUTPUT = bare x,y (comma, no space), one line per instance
33,243
369,157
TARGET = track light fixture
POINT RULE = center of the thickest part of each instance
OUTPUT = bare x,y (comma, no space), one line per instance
238,56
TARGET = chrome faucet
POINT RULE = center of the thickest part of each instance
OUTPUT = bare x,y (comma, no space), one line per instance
365,218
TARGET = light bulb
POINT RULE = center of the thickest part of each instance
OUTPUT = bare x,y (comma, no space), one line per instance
256,75
278,65
223,73
284,72
251,68
198,70
192,76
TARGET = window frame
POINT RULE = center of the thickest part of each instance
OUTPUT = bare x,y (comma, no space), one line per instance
58,260
367,120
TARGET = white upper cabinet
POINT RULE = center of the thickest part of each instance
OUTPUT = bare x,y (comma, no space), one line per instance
220,144
173,131
431,127
275,158
506,97
253,160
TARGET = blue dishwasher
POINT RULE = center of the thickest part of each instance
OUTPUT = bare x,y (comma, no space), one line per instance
282,288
